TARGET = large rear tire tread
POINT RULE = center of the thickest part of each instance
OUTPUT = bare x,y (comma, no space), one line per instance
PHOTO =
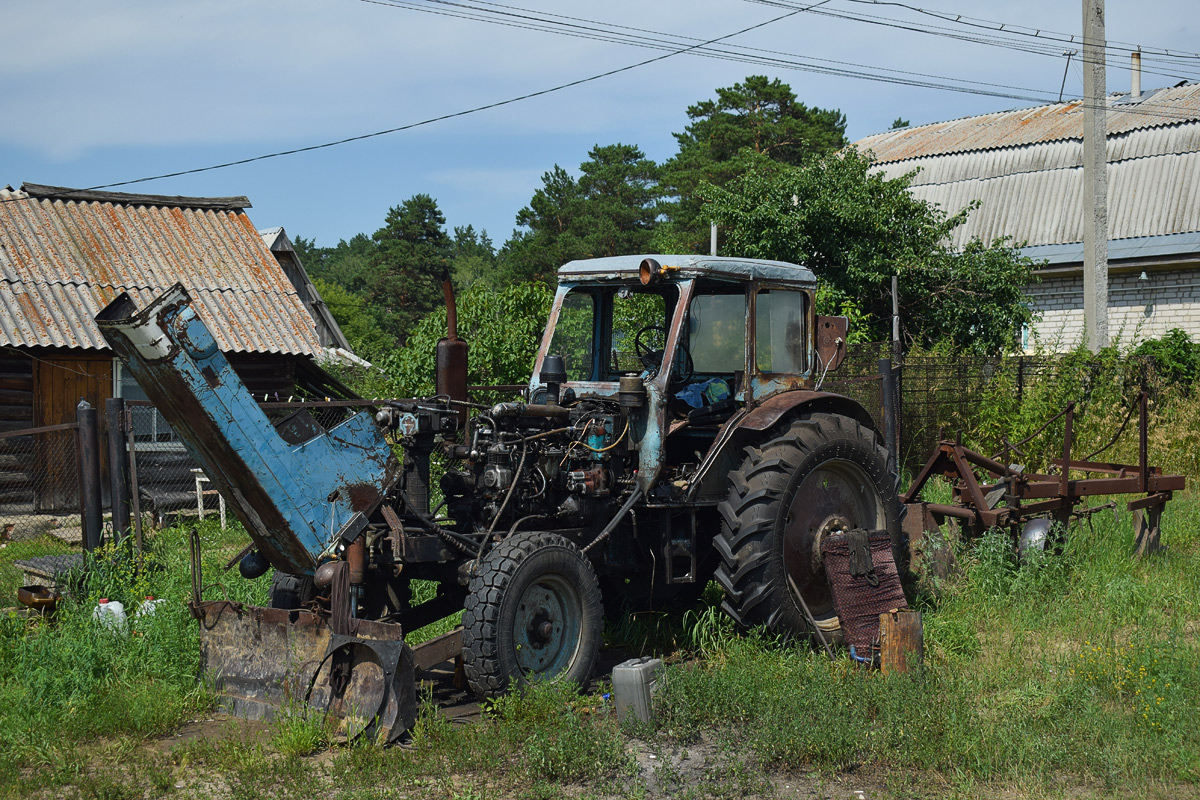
753,573
491,627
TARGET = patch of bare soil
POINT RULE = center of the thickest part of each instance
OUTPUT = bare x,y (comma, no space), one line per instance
215,728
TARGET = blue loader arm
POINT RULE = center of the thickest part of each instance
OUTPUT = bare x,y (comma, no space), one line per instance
295,500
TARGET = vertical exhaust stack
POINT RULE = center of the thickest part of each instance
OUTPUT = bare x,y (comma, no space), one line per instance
451,377
1135,68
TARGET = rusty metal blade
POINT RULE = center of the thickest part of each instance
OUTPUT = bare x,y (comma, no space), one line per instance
261,660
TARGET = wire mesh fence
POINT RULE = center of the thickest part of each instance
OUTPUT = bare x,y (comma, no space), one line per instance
39,483
937,397
942,396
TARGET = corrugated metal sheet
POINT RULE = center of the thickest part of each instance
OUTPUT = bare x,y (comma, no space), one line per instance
1029,126
61,261
1026,169
1146,197
1065,154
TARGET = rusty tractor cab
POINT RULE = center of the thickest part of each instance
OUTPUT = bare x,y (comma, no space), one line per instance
673,432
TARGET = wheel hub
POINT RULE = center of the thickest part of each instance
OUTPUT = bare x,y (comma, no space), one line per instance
836,497
546,627
833,524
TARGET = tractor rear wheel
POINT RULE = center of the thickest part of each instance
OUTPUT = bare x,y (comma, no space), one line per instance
823,475
533,611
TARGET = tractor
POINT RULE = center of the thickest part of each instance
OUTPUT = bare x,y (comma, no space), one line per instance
673,432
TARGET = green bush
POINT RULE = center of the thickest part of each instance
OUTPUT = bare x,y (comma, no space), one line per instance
1174,358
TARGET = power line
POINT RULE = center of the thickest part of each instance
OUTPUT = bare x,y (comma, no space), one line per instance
452,115
503,14
1025,30
1052,50
560,24
650,39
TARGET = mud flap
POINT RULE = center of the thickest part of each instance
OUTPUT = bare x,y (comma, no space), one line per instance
261,660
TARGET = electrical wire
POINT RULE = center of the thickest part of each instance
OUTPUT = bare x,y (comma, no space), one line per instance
515,16
661,40
1025,30
488,106
494,13
1052,50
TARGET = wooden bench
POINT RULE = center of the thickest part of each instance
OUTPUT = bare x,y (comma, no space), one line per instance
169,481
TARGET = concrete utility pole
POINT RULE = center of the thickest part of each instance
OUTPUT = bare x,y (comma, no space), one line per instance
1095,178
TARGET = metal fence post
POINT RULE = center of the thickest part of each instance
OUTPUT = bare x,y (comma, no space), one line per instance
118,463
90,500
887,388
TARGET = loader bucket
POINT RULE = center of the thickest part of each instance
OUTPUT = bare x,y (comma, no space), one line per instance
263,660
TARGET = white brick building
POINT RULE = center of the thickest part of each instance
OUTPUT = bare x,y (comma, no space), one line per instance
1026,169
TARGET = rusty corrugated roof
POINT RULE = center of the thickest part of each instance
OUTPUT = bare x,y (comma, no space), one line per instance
1027,126
65,254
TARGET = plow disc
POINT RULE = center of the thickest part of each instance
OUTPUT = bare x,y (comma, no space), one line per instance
262,660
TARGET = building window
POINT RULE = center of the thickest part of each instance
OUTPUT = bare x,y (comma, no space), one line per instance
150,428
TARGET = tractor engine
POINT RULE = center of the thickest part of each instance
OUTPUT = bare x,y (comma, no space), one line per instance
553,462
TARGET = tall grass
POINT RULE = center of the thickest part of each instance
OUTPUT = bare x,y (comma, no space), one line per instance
1080,664
69,678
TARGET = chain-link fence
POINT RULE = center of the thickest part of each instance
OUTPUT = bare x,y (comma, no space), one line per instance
39,483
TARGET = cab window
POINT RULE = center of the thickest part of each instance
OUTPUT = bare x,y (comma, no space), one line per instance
639,331
573,335
780,343
717,333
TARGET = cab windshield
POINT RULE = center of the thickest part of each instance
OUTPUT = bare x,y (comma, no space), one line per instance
607,331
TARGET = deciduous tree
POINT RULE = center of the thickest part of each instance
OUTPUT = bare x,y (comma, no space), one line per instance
855,229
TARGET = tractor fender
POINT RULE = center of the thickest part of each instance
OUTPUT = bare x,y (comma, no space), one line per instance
742,429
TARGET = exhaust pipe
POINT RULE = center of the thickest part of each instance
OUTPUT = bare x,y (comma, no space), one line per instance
451,379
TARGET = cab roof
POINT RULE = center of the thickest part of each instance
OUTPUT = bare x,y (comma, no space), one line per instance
624,268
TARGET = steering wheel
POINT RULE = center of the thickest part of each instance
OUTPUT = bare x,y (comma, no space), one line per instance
650,357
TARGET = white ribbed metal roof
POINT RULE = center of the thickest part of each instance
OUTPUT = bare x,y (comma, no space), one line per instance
64,255
1026,169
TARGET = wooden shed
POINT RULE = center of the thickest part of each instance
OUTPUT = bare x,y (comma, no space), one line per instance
65,254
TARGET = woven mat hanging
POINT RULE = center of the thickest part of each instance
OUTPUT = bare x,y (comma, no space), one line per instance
864,581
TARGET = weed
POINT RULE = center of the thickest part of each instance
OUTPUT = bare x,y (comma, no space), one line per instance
299,730
709,630
559,736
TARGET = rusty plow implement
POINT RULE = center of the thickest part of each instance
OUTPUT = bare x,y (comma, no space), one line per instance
989,493
359,674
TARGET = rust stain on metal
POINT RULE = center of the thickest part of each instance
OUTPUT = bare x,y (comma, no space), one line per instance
58,250
989,493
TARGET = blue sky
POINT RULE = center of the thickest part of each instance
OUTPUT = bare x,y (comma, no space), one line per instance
96,93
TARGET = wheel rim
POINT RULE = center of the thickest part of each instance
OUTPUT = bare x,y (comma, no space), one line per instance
547,626
835,497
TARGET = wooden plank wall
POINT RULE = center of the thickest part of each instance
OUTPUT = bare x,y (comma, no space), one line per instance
16,413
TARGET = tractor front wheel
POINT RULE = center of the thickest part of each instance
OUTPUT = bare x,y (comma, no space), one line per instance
533,611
